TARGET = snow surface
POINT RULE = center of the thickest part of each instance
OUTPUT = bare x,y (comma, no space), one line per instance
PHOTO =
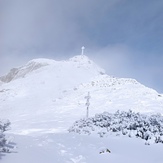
44,98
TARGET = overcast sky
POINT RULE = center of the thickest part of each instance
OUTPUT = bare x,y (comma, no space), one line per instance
125,37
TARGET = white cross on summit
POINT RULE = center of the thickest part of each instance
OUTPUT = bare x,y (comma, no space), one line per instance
82,50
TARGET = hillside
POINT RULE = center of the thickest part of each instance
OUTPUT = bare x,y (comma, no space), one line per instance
43,98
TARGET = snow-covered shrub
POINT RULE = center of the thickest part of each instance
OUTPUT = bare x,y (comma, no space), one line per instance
4,126
147,127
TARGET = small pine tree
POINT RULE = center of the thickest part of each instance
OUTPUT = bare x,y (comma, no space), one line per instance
4,126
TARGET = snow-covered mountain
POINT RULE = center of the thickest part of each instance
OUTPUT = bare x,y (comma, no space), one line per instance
46,96
49,91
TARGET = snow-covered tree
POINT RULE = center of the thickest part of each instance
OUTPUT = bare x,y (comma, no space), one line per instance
4,126
147,127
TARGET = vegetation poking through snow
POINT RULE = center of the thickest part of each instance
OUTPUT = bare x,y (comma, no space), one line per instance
4,142
147,127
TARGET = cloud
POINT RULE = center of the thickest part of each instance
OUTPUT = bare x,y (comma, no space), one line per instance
44,25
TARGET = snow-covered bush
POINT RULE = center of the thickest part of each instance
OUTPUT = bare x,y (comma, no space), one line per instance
4,126
147,127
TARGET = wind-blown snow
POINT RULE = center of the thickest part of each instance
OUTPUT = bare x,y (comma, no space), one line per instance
43,98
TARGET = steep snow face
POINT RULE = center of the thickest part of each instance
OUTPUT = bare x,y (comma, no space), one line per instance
48,96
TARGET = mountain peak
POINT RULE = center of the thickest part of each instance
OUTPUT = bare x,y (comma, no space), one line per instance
81,59
84,61
81,62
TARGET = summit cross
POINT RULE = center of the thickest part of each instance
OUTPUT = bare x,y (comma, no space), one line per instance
82,50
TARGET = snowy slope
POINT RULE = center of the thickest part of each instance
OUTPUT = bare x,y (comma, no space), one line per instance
45,97
37,90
